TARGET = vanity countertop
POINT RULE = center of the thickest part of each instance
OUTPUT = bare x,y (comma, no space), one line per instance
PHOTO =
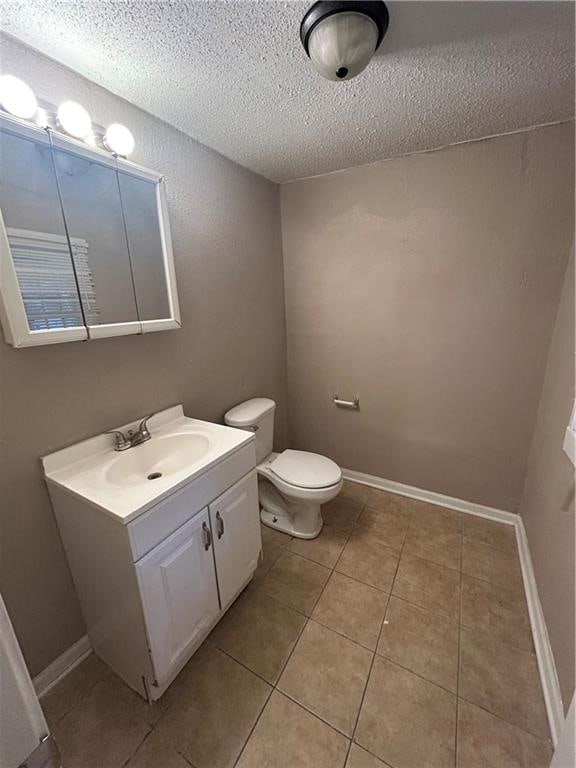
126,483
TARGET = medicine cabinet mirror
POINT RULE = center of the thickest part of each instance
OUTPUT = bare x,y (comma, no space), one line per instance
85,249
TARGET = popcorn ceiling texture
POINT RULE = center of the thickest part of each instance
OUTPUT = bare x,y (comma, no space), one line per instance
233,75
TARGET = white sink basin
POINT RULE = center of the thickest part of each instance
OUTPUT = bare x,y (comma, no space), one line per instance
126,483
157,458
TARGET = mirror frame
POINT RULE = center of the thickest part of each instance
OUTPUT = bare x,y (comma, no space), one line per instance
17,332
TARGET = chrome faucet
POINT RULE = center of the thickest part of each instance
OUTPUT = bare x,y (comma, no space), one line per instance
133,437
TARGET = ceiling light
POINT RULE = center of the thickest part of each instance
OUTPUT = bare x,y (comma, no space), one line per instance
17,98
74,119
341,37
119,139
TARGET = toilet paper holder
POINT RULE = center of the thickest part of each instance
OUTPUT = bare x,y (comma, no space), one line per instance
352,404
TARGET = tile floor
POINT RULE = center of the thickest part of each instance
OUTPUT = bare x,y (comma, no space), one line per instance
399,637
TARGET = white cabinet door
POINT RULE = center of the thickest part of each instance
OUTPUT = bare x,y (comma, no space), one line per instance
235,518
179,593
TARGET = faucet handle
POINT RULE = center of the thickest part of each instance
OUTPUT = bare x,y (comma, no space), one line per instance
143,430
121,442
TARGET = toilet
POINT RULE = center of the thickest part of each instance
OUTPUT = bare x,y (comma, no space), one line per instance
292,485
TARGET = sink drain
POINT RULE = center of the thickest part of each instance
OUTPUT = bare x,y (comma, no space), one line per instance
154,475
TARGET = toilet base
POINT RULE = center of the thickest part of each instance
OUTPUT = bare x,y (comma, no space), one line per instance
306,525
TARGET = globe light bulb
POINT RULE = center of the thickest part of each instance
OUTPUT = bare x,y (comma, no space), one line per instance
17,98
74,119
119,139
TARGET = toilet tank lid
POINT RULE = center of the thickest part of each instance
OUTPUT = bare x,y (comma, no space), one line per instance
249,413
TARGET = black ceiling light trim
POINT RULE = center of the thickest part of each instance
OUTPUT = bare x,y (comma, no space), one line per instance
374,9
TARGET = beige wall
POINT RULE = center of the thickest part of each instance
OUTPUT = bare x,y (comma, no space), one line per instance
428,286
548,500
226,233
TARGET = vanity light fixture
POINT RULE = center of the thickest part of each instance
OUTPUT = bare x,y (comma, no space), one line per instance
340,38
17,98
119,139
74,119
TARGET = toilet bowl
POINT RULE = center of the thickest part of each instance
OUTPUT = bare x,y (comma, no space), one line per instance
292,485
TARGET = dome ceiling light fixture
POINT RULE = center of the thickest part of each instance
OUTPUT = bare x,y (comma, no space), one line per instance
340,37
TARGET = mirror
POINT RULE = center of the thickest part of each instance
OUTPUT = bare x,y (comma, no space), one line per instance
36,235
85,248
93,209
140,205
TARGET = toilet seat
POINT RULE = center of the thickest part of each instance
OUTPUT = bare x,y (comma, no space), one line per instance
306,470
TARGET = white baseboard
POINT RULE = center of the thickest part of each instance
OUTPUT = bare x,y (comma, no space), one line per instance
544,655
431,497
62,666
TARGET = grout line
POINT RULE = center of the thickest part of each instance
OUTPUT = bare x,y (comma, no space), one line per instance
416,674
375,654
274,687
544,739
53,727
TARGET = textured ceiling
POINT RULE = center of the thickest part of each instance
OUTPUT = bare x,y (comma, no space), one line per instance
233,74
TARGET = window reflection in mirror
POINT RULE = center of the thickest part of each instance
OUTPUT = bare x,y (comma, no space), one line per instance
36,234
140,205
91,201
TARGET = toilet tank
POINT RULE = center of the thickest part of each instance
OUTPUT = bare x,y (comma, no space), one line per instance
257,415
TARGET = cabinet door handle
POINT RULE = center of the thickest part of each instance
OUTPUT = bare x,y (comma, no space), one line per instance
207,536
219,525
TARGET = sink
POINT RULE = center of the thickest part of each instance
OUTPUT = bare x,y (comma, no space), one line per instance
159,457
126,483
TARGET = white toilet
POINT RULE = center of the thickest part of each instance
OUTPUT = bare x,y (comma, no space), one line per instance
292,485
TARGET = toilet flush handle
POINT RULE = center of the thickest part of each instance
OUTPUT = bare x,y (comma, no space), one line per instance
353,404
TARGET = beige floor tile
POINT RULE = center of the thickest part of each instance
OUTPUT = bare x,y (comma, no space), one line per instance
388,502
364,559
485,741
355,491
215,704
422,641
502,613
272,536
503,680
324,549
327,674
341,513
406,721
351,608
490,564
287,736
359,758
428,585
157,752
499,535
296,582
60,700
105,728
388,527
437,544
260,632
432,515
270,554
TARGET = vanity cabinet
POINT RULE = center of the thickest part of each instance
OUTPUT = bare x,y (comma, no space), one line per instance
179,593
153,583
236,531
195,574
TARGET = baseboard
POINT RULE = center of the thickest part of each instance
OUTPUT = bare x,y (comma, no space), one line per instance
544,655
62,666
469,507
